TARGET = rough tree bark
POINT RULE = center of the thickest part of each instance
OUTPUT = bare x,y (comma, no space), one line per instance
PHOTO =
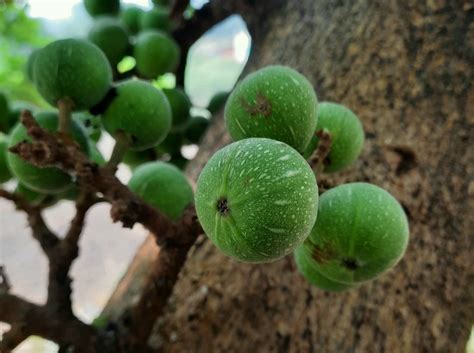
403,67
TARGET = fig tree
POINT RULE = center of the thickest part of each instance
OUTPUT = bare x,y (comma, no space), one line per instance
256,199
111,37
44,180
275,102
91,123
102,7
180,105
72,69
141,112
163,186
155,53
361,232
347,136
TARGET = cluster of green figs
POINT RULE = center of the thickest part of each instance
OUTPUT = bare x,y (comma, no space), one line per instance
154,122
257,199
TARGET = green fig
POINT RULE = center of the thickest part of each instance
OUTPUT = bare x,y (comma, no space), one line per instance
72,69
102,7
347,136
275,102
111,37
141,112
5,173
361,232
163,186
155,53
130,17
256,199
196,128
217,102
180,106
156,18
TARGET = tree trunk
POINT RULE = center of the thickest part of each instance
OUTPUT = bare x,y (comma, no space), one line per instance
405,67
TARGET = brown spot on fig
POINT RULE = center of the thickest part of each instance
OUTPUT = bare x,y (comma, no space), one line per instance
322,254
262,105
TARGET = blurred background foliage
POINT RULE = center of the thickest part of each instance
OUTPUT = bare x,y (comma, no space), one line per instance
19,36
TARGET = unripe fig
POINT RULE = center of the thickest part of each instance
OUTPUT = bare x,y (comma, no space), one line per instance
163,186
4,112
130,17
304,265
162,2
136,158
30,65
156,18
179,161
180,105
44,180
72,69
91,123
347,136
361,232
5,173
9,121
196,128
256,199
171,144
275,102
71,193
111,37
141,112
155,53
102,7
217,102
29,195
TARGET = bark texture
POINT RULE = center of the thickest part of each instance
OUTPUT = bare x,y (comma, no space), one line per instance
404,68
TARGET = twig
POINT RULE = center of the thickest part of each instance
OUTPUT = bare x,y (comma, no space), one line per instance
65,106
12,338
40,231
59,284
122,144
179,6
5,282
29,319
319,156
62,152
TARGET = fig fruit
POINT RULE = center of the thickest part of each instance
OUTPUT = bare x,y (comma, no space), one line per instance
275,102
163,186
257,199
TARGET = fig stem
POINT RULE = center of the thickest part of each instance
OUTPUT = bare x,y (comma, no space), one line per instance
122,144
318,158
65,106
